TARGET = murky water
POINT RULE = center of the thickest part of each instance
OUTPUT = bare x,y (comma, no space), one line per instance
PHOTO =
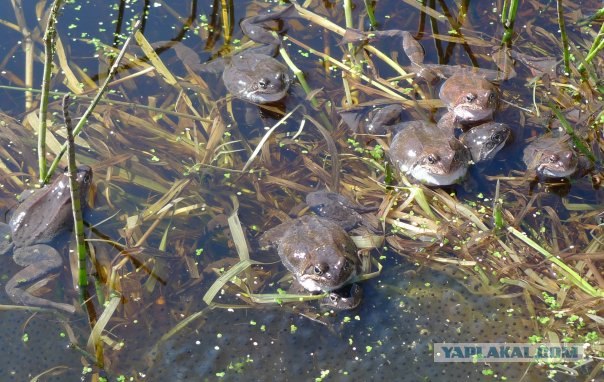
139,155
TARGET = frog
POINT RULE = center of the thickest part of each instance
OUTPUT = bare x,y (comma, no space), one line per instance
486,140
253,74
468,93
256,78
376,120
551,156
346,298
470,99
250,75
316,250
336,207
35,224
428,154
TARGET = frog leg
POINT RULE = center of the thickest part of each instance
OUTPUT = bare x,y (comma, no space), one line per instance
39,261
6,243
448,122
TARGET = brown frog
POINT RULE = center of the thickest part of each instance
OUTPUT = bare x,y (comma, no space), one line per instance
337,208
428,154
36,222
470,99
256,77
252,74
347,297
467,91
318,251
551,157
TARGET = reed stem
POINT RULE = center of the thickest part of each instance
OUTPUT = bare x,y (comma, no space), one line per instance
49,39
76,203
596,47
370,14
96,99
508,21
562,26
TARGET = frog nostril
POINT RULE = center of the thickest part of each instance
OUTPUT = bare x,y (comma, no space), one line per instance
470,97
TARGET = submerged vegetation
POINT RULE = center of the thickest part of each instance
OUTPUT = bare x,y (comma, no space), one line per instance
187,183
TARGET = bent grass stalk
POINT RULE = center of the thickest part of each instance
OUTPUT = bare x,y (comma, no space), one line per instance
302,79
370,13
394,95
28,48
327,24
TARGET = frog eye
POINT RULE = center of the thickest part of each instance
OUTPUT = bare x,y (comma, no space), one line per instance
319,208
553,158
432,159
333,297
320,269
497,137
470,97
346,266
87,178
264,83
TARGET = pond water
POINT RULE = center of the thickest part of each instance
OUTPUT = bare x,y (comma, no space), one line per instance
185,142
